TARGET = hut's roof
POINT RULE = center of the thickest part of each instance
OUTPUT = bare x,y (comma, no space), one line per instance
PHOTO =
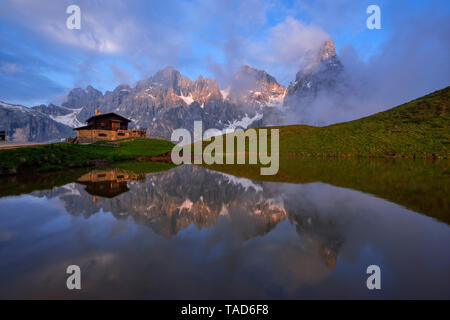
108,115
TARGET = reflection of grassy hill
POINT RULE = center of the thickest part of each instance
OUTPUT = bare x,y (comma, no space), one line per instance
143,166
420,185
24,184
63,155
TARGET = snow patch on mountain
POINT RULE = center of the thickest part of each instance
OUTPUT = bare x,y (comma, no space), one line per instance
71,189
187,99
243,182
276,101
69,119
186,205
224,210
225,92
245,122
15,107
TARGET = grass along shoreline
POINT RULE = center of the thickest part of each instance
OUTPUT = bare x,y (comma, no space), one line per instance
60,156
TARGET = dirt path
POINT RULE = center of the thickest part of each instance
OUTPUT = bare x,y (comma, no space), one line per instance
19,145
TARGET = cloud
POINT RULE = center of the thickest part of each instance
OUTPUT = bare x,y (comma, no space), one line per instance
139,35
294,43
289,46
343,15
9,67
413,62
282,50
410,63
132,39
107,27
102,28
24,78
21,88
121,75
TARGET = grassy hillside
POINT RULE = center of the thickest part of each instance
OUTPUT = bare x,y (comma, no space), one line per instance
420,128
63,155
417,129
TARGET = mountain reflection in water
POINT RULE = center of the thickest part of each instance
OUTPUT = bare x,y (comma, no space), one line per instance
194,233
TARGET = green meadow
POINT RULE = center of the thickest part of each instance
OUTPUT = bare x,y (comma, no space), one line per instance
59,156
417,129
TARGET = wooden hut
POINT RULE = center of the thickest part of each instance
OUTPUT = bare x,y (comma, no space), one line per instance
108,126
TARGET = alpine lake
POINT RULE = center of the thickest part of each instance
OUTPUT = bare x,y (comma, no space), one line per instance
157,231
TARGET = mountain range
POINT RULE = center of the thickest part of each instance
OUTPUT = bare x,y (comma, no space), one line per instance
167,101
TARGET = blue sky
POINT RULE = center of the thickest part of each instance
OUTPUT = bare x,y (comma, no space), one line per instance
125,41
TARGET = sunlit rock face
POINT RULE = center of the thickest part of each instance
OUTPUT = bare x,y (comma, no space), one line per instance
255,89
162,103
168,101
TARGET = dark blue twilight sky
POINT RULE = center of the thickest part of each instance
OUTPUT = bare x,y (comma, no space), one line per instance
122,41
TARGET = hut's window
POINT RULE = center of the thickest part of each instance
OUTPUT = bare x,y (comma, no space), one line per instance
101,175
102,135
121,134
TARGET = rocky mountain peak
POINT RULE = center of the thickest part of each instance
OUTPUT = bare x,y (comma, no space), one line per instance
122,87
167,77
254,76
324,77
255,88
78,98
91,90
202,90
325,60
327,51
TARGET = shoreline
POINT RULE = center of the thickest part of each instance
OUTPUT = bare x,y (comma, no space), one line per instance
63,156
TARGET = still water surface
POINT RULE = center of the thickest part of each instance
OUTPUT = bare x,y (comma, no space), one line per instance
190,233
